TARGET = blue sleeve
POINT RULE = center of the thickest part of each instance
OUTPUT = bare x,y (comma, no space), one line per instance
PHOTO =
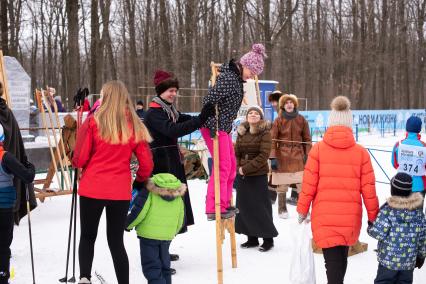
422,240
381,226
136,210
395,156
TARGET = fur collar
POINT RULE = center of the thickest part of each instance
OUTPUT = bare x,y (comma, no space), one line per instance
414,201
166,192
260,127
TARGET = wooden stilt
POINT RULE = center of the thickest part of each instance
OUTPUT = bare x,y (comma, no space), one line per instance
64,173
43,118
63,155
221,225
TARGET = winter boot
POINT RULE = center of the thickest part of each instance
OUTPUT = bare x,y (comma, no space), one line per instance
252,242
293,198
174,257
84,280
224,215
272,195
268,243
282,207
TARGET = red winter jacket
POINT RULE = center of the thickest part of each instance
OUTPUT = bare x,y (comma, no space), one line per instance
106,167
338,176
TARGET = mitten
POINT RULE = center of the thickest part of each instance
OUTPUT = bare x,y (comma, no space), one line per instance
274,164
419,262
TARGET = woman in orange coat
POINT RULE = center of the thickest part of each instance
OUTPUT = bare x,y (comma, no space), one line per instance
337,177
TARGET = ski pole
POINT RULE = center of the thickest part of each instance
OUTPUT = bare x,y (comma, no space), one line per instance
29,231
74,192
65,279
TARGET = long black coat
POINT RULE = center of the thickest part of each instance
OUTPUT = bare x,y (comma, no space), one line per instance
14,144
165,150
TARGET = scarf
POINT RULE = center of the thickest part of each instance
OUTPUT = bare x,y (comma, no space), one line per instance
170,109
290,115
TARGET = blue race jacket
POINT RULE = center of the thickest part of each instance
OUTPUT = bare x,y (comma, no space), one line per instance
411,139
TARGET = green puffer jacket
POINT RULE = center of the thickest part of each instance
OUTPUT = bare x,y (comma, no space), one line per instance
157,213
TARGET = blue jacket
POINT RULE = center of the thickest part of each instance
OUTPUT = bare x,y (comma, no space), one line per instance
411,139
400,229
10,167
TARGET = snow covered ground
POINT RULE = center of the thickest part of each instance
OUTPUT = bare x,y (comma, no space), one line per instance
196,248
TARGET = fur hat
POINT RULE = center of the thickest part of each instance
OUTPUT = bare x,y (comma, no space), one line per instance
284,98
253,60
401,185
341,113
275,96
414,124
255,108
163,81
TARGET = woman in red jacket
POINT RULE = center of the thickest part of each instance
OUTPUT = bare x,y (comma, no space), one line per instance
338,176
105,144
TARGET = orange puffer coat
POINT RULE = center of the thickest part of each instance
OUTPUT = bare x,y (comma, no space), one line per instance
337,174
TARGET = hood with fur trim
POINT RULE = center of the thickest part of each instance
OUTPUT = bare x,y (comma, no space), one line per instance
260,127
168,194
414,201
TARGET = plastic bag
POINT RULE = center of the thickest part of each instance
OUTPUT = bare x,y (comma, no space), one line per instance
302,267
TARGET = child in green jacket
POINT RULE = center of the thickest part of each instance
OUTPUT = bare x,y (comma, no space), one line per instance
157,214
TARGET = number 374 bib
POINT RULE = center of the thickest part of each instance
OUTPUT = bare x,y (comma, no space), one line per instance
412,159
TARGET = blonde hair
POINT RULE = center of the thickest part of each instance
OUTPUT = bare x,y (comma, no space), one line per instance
116,117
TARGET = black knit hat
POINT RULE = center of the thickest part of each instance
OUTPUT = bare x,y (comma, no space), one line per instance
401,185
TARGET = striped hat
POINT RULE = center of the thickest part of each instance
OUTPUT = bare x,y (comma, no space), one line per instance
401,185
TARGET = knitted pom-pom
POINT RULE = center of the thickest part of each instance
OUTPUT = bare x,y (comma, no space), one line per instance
340,103
259,49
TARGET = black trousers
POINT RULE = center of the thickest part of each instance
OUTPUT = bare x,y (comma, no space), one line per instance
336,262
6,236
155,259
90,215
387,276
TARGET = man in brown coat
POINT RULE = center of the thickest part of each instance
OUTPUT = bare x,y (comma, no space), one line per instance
291,142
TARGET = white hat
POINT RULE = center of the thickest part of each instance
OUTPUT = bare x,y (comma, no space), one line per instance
341,114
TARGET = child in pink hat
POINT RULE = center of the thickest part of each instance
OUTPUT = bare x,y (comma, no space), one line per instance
228,94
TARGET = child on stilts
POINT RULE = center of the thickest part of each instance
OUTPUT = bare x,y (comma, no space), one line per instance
228,94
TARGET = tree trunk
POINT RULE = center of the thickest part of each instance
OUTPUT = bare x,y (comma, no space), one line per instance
4,27
73,78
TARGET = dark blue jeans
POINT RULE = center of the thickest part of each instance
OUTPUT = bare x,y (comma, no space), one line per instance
387,276
155,260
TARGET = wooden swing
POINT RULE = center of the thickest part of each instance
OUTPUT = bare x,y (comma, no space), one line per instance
223,225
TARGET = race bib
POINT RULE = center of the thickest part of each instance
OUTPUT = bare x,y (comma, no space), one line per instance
412,159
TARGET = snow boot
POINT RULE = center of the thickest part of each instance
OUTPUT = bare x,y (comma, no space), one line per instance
172,271
252,242
174,257
268,244
293,198
224,215
282,207
84,280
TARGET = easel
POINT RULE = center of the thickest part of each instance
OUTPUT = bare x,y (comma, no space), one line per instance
56,148
3,80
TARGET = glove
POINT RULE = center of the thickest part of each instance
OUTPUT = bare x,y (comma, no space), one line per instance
301,218
207,111
419,262
274,164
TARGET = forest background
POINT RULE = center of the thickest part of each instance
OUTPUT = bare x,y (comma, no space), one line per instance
372,51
